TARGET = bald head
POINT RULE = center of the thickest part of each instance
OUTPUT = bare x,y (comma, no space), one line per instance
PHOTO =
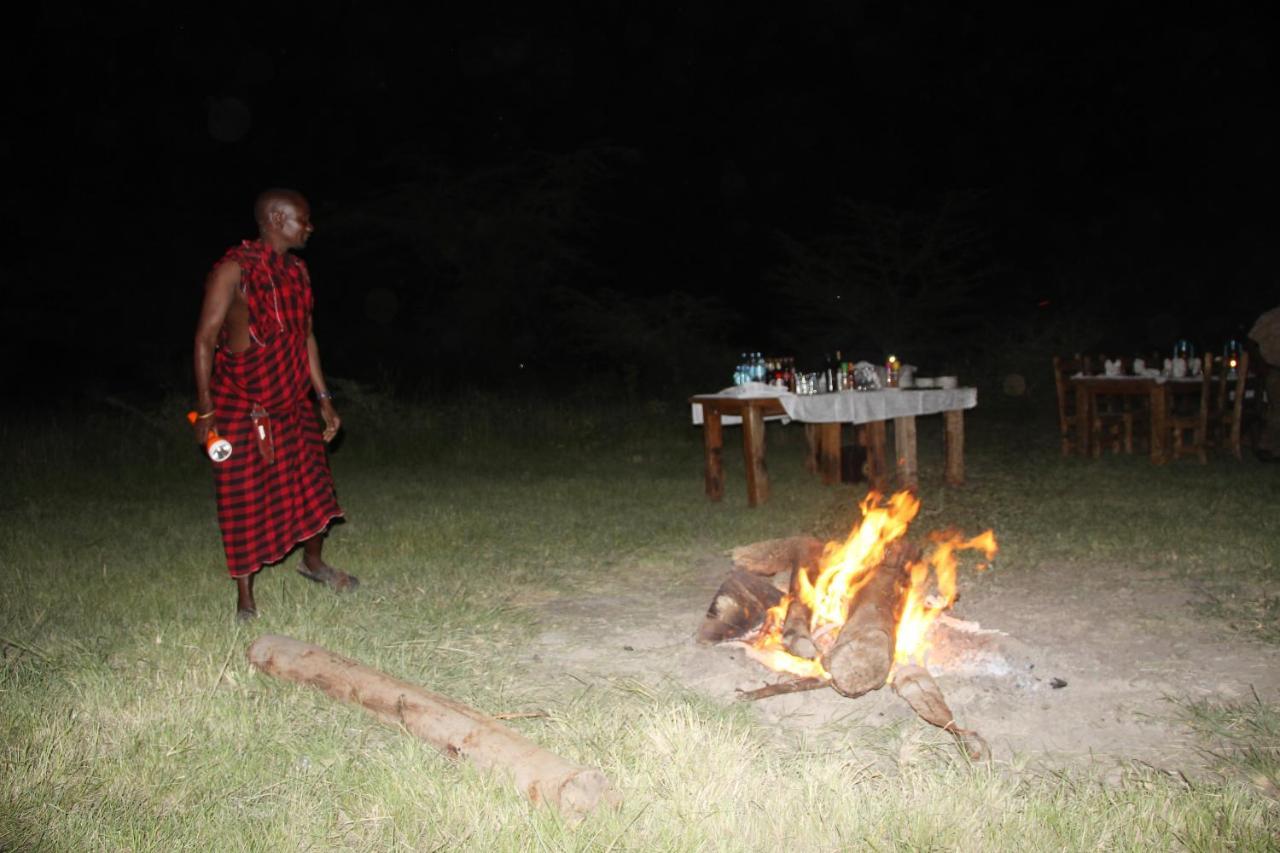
284,219
273,200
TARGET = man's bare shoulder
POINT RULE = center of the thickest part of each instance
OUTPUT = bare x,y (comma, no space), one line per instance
225,274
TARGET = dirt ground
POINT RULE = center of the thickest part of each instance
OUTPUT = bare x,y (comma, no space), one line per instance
1066,667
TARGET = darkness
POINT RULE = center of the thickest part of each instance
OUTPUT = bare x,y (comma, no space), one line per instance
546,196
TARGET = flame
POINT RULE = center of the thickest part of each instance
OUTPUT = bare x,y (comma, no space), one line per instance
921,607
845,568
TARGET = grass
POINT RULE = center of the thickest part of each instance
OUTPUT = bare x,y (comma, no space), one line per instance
129,718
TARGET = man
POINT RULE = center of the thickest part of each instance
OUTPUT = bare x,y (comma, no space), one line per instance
256,360
1265,335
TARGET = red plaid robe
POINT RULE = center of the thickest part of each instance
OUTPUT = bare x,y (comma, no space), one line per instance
265,510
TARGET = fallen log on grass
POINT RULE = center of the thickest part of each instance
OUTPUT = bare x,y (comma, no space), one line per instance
861,657
450,726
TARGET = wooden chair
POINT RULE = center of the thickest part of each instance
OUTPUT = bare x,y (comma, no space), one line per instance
1192,418
1112,418
1068,417
1226,412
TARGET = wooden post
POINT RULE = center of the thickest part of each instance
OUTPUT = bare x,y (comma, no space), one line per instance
1159,423
873,439
953,422
450,726
812,441
753,451
1084,418
904,447
713,442
829,452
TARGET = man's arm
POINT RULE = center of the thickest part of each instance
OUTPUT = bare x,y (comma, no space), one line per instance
220,290
332,423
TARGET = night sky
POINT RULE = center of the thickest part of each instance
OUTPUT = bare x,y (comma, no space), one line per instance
502,189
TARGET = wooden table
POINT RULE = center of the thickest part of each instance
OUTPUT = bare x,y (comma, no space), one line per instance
1089,388
824,438
1158,392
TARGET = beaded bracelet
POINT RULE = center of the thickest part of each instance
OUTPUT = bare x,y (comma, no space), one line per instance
205,416
323,395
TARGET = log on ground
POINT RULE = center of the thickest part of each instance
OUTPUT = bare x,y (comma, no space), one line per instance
775,556
862,655
453,728
914,684
796,637
795,685
739,607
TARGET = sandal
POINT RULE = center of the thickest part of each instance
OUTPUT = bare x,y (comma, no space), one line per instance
336,580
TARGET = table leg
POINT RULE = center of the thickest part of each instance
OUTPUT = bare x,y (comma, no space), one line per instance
953,422
753,452
813,447
1084,419
873,439
1159,428
829,452
904,447
713,443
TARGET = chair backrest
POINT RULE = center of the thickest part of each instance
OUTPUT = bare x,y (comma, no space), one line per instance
1230,381
1229,398
1206,391
1064,367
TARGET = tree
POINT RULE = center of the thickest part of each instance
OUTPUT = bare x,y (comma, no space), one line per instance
892,280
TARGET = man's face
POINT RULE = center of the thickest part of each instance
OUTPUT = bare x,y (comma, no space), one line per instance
294,223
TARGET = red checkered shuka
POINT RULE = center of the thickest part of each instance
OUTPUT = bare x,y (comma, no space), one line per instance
264,509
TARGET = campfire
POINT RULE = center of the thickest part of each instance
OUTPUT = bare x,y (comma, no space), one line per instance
855,615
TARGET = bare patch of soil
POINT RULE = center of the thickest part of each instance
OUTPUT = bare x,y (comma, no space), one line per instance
1081,665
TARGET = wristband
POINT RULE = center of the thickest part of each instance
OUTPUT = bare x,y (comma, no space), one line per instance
323,395
205,416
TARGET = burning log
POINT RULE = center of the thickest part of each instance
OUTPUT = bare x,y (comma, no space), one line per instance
455,729
795,627
739,607
914,684
862,655
774,556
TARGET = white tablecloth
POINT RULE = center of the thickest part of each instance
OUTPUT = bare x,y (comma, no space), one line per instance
856,407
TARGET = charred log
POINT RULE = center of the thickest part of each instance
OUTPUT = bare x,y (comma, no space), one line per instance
798,685
861,657
775,556
795,628
914,684
739,607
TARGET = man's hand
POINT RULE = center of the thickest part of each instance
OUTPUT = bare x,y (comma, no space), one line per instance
202,427
332,423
